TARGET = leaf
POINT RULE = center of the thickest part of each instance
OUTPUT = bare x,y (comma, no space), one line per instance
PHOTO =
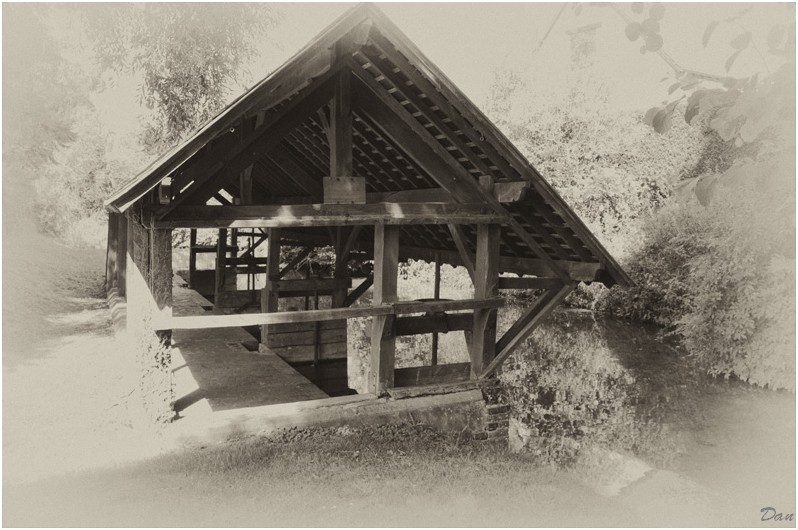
674,87
648,119
708,32
654,42
633,30
662,119
730,60
705,188
693,105
741,41
775,35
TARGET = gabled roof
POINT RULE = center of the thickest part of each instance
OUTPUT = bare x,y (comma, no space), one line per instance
412,130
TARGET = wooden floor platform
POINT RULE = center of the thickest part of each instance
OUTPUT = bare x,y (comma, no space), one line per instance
215,368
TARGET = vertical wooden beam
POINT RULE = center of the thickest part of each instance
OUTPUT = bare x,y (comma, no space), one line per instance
341,127
121,261
436,294
112,253
486,285
383,341
221,258
269,296
138,274
161,275
192,256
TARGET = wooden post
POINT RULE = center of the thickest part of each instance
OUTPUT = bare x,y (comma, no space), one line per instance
486,285
192,256
221,257
436,295
383,341
269,295
121,261
112,253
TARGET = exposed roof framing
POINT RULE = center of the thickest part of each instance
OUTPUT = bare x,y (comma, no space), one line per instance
415,138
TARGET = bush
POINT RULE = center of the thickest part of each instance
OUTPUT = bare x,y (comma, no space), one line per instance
722,278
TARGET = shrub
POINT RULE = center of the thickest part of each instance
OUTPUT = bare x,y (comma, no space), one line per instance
722,278
568,388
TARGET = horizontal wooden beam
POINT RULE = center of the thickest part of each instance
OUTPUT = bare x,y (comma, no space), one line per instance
578,270
442,323
304,215
529,283
424,375
319,315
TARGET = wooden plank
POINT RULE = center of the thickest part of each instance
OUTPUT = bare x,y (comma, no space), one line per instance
298,338
460,239
308,215
525,325
258,319
312,284
358,291
383,342
424,375
437,306
313,315
308,326
529,283
577,270
440,323
436,388
310,352
344,190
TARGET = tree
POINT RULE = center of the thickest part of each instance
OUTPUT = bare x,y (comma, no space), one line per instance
188,55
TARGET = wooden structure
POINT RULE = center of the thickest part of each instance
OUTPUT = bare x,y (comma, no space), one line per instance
359,143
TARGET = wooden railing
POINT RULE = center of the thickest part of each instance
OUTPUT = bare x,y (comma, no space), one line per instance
319,315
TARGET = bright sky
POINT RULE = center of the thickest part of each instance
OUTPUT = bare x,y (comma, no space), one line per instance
470,41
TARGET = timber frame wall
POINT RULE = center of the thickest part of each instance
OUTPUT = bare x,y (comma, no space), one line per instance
358,142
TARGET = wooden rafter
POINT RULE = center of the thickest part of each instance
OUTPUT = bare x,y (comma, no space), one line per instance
452,177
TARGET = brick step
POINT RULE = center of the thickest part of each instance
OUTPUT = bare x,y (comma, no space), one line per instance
504,416
498,409
492,426
498,434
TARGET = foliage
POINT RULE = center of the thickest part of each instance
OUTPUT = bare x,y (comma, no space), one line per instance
189,55
567,388
610,183
722,278
71,189
43,90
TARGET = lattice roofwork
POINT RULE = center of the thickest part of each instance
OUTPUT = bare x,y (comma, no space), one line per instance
413,132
